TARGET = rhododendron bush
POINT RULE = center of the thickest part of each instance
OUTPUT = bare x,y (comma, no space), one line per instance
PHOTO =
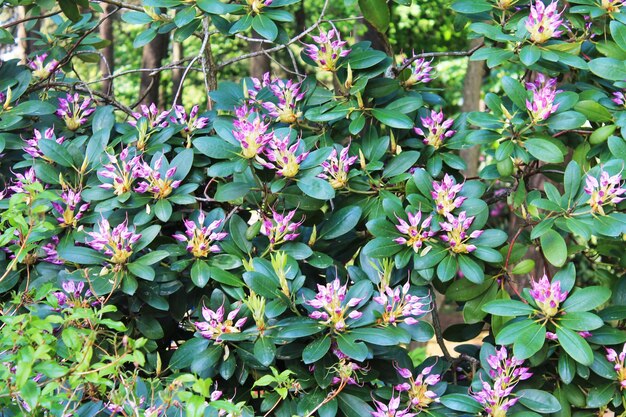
278,246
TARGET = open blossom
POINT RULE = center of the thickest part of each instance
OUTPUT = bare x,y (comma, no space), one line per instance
32,144
391,409
40,68
544,22
618,364
606,191
191,121
415,233
506,373
251,135
200,238
283,158
327,50
155,117
420,72
336,168
445,195
50,250
619,98
117,243
419,388
544,93
548,296
73,112
280,228
67,208
456,233
331,305
399,306
288,94
215,324
122,170
72,294
22,183
437,129
160,185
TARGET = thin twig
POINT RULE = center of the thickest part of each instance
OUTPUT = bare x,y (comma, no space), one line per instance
437,326
26,19
437,54
123,5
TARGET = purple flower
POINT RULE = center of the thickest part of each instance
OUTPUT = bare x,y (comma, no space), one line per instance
122,171
155,117
191,121
117,243
288,94
73,112
619,98
72,294
40,68
391,409
544,93
456,233
280,228
215,324
160,185
26,183
326,51
200,238
415,234
50,250
420,72
347,372
544,22
66,210
497,398
445,193
419,388
336,169
606,191
618,364
32,144
548,296
282,157
399,306
437,129
251,135
331,305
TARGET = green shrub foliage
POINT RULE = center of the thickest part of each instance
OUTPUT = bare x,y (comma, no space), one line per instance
276,249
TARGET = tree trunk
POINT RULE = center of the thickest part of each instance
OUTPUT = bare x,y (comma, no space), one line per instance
152,57
259,64
177,73
24,45
472,102
107,61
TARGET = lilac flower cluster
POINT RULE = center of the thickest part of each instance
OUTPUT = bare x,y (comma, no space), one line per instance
419,388
22,182
216,325
415,234
191,121
122,171
544,93
456,232
283,158
280,228
66,209
608,190
544,22
200,238
73,112
420,72
618,364
252,135
399,306
331,305
32,144
506,373
327,50
40,68
547,295
117,243
72,294
288,94
336,167
152,114
438,129
391,409
159,185
445,193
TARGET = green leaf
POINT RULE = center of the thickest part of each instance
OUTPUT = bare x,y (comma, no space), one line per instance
515,91
618,30
581,321
554,248
341,222
231,191
149,327
566,120
297,329
608,68
187,352
539,401
80,255
163,210
529,55
567,368
315,350
529,341
392,118
215,147
264,351
575,346
141,270
200,273
265,27
376,12
70,9
144,38
350,347
594,111
365,59
471,7
585,299
600,396
461,402
508,308
218,7
400,163
471,269
509,333
381,248
544,150
56,152
316,188
447,268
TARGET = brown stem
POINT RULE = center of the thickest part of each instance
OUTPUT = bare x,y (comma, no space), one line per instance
438,331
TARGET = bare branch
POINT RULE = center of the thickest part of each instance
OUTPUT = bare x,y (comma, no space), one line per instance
122,5
437,54
26,19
